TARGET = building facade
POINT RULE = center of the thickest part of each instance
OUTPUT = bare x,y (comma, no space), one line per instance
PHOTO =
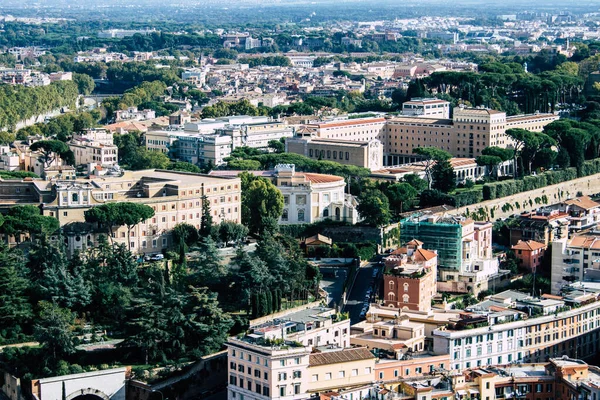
175,197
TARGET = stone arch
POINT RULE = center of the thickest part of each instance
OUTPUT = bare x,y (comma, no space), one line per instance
88,394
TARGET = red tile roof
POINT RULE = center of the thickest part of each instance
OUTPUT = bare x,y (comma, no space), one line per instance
529,245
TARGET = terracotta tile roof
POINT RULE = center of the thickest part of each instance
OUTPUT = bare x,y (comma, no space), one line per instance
341,356
322,178
318,238
529,245
424,255
415,242
584,202
585,242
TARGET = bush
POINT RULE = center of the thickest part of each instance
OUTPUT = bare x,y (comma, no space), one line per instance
468,197
501,189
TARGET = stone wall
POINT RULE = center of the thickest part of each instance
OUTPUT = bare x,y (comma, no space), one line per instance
529,201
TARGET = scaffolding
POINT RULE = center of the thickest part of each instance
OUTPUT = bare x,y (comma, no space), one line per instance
444,236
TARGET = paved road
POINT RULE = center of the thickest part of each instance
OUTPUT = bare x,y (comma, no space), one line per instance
356,299
333,283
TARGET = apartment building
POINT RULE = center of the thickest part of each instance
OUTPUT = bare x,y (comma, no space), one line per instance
530,254
573,259
464,250
256,135
274,361
132,113
544,225
426,107
518,338
175,197
465,135
94,146
395,339
410,277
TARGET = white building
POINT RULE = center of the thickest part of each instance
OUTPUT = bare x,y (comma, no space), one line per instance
132,113
309,198
504,337
273,361
429,108
572,259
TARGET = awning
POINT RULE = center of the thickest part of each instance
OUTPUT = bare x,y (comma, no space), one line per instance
474,391
461,392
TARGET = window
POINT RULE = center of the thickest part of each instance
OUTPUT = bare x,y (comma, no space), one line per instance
405,298
297,388
341,374
354,372
391,285
282,391
284,215
315,378
282,376
282,363
328,376
297,374
300,215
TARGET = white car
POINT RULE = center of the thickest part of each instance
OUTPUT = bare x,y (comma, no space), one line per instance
157,257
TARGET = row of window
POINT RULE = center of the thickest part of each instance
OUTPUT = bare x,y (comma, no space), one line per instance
258,388
328,153
341,374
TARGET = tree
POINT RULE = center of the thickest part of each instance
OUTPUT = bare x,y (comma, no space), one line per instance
184,166
416,182
374,207
277,146
206,220
51,150
443,176
131,214
14,305
28,220
148,159
231,232
431,155
127,214
491,162
85,83
400,196
260,200
53,330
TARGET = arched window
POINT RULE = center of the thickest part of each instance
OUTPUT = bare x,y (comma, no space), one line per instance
392,285
337,213
284,215
391,297
300,215
326,212
406,286
405,298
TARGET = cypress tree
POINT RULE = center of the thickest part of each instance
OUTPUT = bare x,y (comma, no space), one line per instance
269,302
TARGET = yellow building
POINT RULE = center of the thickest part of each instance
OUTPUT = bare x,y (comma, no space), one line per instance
175,197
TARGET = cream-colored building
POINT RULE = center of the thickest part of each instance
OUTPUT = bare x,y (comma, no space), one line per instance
272,361
361,154
335,369
94,146
395,337
465,135
175,197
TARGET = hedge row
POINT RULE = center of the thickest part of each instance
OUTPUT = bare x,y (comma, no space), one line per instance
501,189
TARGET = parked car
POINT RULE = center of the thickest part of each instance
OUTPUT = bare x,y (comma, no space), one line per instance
157,257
